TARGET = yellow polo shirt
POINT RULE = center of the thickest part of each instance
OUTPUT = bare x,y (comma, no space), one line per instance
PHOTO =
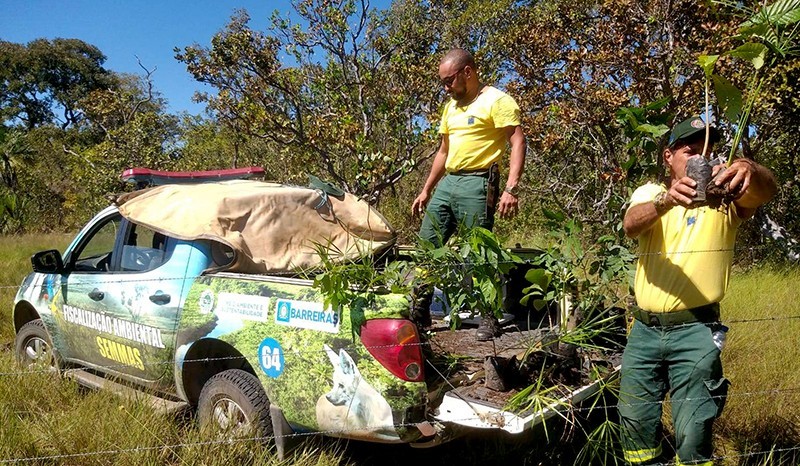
476,132
685,258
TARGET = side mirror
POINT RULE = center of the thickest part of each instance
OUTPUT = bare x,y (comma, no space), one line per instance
47,262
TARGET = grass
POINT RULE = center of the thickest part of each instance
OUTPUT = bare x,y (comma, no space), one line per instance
15,254
44,417
762,360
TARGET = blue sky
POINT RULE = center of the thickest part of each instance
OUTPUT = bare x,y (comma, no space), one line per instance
126,29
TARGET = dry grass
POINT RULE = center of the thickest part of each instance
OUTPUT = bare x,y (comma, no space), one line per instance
42,416
762,360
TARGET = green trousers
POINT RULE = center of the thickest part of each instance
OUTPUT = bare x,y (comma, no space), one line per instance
684,361
467,200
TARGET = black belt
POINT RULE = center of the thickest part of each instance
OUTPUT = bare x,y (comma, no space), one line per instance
485,172
706,314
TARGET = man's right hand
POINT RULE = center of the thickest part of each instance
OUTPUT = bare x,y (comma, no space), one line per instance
682,192
419,204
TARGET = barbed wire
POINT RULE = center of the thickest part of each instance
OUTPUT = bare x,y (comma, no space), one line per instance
299,353
308,276
302,435
772,391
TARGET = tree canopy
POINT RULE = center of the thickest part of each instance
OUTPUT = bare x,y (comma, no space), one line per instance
349,93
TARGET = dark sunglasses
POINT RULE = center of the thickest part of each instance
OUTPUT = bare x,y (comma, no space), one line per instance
449,80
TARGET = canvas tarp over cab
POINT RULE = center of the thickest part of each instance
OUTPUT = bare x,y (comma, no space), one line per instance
271,227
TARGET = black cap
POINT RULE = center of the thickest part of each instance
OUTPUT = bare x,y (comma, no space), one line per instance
690,127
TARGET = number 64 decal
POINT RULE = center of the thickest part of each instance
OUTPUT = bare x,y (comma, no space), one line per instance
270,357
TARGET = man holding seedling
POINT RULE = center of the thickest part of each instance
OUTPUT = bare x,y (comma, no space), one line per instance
476,126
686,250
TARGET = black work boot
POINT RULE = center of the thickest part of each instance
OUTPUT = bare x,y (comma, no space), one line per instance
421,298
488,329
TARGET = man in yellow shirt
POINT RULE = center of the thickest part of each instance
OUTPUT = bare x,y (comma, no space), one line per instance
477,125
685,256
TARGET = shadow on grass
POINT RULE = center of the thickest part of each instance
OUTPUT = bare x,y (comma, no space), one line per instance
561,444
774,441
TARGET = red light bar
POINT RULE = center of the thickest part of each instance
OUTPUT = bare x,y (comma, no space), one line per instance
148,177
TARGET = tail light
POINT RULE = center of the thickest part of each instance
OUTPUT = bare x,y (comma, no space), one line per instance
395,344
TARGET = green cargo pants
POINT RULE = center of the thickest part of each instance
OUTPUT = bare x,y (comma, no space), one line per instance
467,200
684,360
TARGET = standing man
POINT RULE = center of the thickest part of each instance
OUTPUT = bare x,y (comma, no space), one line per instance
477,124
685,259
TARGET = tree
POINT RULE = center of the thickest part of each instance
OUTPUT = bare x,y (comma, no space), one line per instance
361,100
581,64
43,81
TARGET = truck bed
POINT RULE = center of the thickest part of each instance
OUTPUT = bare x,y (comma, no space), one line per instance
457,378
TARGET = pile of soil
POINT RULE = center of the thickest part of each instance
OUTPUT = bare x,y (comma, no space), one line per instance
494,371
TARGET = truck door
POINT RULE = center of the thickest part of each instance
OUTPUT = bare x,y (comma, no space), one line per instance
121,300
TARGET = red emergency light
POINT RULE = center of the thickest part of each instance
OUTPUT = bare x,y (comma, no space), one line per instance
147,177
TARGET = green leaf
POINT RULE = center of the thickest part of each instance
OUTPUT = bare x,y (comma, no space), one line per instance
539,277
782,12
658,104
655,131
707,62
752,51
762,31
553,215
729,97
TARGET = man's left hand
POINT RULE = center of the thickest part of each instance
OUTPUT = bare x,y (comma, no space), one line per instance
509,205
738,175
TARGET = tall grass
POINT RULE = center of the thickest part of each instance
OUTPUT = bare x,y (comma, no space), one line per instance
42,416
15,254
762,360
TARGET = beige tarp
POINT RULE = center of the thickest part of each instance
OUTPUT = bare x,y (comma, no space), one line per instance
271,227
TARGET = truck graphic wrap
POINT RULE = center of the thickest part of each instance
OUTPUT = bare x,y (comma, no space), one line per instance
321,380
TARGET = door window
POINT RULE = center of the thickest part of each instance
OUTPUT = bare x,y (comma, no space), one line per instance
143,250
94,255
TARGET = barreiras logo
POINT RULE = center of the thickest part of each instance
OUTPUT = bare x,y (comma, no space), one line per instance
306,314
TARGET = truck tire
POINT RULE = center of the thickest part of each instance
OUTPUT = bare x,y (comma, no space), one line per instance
33,347
234,403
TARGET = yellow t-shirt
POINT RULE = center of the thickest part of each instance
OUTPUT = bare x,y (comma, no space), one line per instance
685,258
476,132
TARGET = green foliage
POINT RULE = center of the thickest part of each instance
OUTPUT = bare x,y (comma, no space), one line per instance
355,285
591,279
468,270
346,111
769,28
45,77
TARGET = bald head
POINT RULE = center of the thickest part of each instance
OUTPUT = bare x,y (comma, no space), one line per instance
458,58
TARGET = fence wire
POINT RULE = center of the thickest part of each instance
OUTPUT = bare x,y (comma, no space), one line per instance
304,277
119,278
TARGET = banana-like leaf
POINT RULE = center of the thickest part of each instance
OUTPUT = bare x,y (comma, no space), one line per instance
728,97
752,51
762,31
707,62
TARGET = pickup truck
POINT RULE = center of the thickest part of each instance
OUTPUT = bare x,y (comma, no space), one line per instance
191,293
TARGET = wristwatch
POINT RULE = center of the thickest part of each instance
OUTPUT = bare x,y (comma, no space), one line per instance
660,203
513,190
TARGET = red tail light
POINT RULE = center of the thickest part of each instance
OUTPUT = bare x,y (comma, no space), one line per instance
395,344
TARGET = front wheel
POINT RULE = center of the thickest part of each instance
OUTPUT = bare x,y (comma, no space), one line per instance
234,403
33,347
